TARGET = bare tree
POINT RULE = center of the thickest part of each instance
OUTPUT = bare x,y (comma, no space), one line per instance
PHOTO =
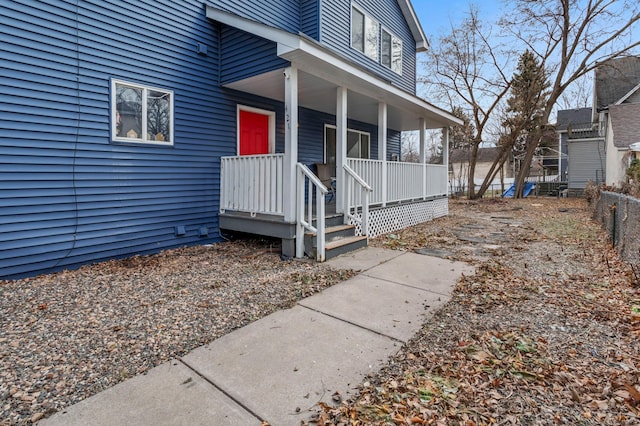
460,142
466,69
570,38
409,151
577,95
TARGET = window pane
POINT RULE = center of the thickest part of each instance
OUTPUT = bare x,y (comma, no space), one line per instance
371,38
396,52
158,116
357,29
330,141
364,146
128,112
385,49
353,144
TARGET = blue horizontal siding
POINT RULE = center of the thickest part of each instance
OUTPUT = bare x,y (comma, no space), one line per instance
69,195
245,55
311,136
335,32
310,18
393,143
283,14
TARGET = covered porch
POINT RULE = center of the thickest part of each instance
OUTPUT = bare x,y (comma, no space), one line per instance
374,194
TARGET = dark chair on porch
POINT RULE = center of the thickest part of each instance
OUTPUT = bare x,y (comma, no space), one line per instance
323,171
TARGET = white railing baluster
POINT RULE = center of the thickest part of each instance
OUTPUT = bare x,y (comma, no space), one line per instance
300,182
358,199
303,222
320,223
405,181
437,175
252,183
310,202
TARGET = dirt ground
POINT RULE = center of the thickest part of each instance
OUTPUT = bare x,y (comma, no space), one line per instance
545,332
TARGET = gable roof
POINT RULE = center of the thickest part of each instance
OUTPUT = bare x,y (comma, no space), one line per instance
628,95
573,116
615,80
625,124
422,44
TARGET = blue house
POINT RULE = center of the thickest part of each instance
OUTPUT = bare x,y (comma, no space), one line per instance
131,127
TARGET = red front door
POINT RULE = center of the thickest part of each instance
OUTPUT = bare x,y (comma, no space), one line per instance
254,133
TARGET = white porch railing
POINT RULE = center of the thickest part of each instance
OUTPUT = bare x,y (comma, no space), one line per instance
371,172
437,180
405,181
355,199
252,183
255,184
305,215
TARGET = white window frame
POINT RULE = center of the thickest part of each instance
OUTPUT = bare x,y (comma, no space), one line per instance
143,140
393,36
375,56
359,132
272,125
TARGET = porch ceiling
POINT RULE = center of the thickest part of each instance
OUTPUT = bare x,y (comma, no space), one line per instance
320,95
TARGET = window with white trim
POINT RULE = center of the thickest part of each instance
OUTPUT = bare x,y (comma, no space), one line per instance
141,114
358,145
364,33
391,51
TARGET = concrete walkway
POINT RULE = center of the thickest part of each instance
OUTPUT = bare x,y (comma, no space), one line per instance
278,368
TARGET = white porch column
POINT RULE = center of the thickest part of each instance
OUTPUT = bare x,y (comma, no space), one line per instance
290,142
341,147
422,129
445,146
445,153
559,157
382,147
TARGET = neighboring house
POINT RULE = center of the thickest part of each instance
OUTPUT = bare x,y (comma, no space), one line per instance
617,107
459,168
132,127
550,158
582,146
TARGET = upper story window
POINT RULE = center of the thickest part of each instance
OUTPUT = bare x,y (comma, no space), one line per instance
364,33
368,37
391,51
141,114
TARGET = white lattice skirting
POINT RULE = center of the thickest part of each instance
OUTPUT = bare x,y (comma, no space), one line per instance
399,216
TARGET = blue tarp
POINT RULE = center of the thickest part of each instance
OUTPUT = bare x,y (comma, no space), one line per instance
528,187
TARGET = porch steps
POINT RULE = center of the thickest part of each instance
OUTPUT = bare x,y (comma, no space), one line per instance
339,239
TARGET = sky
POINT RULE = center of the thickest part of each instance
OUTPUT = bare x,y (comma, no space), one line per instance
436,16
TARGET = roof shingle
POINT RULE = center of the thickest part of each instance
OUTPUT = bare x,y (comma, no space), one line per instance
614,79
625,120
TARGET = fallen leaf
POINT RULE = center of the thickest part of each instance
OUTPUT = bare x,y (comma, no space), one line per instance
482,356
633,393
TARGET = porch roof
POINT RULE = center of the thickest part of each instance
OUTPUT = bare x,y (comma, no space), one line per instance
322,71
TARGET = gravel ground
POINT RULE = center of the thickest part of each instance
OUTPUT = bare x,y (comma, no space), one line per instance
70,335
545,332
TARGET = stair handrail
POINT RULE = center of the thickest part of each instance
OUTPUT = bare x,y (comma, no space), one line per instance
365,190
304,217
